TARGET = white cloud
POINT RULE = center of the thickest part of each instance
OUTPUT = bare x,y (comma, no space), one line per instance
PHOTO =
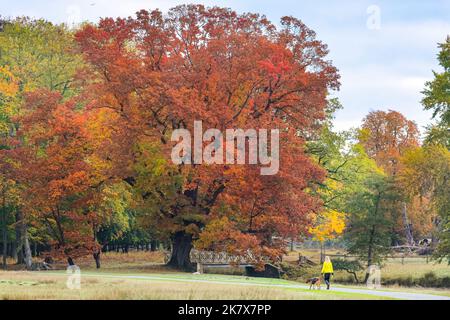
380,69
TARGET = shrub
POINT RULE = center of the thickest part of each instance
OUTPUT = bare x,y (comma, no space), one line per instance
427,280
352,267
294,272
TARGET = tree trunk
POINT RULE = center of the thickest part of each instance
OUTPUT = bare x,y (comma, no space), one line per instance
4,238
408,231
28,256
14,254
19,237
20,257
4,232
97,258
153,245
322,253
35,252
181,248
370,252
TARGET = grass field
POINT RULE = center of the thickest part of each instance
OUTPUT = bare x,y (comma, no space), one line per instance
162,286
393,269
25,285
141,275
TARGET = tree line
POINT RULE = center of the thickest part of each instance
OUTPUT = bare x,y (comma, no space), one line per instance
86,118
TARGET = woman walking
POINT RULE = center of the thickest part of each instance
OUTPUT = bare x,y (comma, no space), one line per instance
327,271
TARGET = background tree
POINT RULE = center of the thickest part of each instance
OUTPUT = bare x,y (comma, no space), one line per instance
386,136
52,135
431,162
39,54
331,150
113,218
327,226
369,228
8,91
33,54
437,97
426,173
9,198
356,185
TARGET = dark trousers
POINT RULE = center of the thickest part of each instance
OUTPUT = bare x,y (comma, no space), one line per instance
327,277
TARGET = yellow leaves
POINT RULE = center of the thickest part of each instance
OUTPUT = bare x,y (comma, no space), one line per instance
328,225
8,91
363,135
331,187
111,207
10,189
8,84
98,167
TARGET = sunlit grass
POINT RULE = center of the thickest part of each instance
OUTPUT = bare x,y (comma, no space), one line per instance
150,279
26,285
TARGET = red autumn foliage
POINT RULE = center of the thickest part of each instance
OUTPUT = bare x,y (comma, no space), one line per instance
157,73
386,136
49,162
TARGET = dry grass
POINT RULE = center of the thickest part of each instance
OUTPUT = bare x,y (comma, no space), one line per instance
32,286
133,261
411,266
24,285
415,267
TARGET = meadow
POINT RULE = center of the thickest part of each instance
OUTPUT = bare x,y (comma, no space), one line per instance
32,286
396,271
142,276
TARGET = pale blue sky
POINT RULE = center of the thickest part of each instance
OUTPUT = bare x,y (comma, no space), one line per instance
382,68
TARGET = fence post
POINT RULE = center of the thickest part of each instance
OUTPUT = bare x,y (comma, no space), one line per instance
199,268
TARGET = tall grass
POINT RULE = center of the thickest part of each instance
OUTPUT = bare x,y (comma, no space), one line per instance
38,286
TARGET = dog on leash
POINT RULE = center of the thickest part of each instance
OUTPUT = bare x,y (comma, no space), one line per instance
314,283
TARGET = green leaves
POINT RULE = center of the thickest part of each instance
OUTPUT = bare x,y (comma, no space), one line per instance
39,54
437,92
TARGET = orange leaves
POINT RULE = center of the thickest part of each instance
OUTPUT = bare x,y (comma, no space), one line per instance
277,64
8,83
223,235
386,136
73,183
52,151
156,73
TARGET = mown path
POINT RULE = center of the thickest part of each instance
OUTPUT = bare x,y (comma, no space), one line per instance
261,282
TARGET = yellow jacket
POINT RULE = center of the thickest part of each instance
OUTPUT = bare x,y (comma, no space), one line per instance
327,267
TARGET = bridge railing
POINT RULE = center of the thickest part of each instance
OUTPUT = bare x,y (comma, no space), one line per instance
211,257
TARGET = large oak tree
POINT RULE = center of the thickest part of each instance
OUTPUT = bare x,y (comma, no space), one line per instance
156,73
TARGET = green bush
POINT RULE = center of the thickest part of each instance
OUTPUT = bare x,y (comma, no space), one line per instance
298,273
429,280
352,267
407,281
